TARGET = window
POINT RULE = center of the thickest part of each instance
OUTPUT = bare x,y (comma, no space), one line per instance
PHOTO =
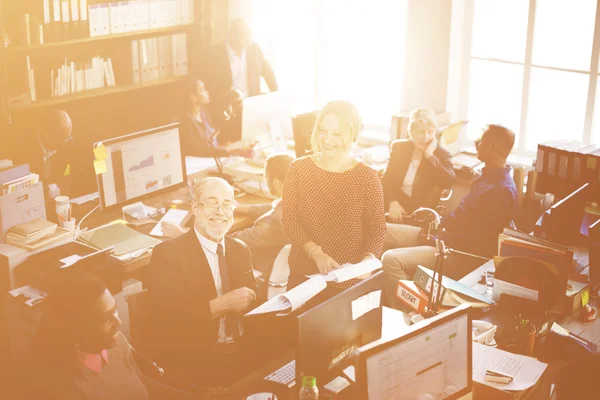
323,50
529,70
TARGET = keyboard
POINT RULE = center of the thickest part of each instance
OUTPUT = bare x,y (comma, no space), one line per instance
285,375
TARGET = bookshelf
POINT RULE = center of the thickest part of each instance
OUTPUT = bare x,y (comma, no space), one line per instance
49,59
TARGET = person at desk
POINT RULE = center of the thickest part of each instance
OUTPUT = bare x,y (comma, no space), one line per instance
48,151
332,203
198,136
237,63
475,224
199,284
417,167
267,236
79,352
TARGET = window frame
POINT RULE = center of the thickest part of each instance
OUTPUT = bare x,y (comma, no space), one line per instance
528,65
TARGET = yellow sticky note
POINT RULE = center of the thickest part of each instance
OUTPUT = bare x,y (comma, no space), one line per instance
99,166
585,297
100,153
590,162
67,170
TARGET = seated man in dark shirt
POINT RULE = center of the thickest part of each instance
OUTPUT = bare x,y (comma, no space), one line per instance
475,224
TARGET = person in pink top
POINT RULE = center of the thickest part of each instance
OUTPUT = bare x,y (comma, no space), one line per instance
333,208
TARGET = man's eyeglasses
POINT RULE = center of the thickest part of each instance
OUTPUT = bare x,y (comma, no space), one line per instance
212,208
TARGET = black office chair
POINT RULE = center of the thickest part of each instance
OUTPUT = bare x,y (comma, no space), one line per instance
137,304
302,126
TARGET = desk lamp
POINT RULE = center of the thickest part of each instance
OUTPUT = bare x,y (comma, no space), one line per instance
442,252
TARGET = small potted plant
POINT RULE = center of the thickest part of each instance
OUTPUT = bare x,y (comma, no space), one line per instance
526,334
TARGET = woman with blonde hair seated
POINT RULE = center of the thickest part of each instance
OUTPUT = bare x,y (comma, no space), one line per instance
332,203
418,169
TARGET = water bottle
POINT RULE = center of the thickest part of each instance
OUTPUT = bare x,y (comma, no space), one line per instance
309,390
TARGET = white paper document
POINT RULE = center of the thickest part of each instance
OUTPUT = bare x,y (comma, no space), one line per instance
366,303
526,371
351,271
68,261
173,216
502,287
285,303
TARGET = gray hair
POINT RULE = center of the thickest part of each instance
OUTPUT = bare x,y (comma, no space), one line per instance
199,186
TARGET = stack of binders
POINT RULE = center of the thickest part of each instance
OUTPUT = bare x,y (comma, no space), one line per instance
565,165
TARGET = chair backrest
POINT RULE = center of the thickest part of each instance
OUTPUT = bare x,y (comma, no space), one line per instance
280,272
138,306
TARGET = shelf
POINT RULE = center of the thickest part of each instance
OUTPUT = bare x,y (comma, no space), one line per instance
94,93
74,42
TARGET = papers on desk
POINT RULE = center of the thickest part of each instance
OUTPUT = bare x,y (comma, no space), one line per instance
85,198
139,210
193,165
284,304
525,371
29,294
127,242
173,216
350,271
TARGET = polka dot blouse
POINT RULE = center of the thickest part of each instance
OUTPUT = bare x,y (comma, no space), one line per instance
343,212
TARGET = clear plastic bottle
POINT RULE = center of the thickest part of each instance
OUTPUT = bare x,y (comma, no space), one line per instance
309,390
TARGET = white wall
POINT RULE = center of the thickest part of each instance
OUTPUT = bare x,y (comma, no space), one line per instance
427,50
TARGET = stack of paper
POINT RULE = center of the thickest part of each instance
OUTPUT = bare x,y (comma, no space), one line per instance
31,231
35,234
284,304
124,239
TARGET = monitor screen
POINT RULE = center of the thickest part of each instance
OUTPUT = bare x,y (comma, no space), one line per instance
433,361
141,164
267,118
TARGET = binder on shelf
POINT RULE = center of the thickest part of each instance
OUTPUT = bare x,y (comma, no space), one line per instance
165,57
115,17
179,54
65,18
99,16
135,61
143,14
56,21
83,18
154,14
171,8
578,158
75,20
143,55
155,68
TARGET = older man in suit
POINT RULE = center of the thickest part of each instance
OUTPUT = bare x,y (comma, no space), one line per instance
236,64
199,285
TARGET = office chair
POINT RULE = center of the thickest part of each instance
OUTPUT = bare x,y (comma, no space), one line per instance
137,304
302,126
279,274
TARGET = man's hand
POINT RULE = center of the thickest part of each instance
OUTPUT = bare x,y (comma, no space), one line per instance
238,300
396,212
428,152
324,262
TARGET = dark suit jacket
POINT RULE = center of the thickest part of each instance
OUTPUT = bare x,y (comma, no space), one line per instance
265,238
194,141
217,78
180,286
434,173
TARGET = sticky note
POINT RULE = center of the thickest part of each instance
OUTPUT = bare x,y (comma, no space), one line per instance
585,297
100,153
590,162
67,170
99,166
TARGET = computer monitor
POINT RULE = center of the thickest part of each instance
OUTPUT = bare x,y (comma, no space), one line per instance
267,118
432,360
302,125
562,222
329,333
139,165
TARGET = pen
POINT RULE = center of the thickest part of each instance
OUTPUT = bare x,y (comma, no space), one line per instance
498,373
497,379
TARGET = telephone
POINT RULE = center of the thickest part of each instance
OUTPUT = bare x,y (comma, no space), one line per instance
483,332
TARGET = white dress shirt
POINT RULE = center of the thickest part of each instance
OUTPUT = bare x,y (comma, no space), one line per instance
239,70
409,178
210,250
